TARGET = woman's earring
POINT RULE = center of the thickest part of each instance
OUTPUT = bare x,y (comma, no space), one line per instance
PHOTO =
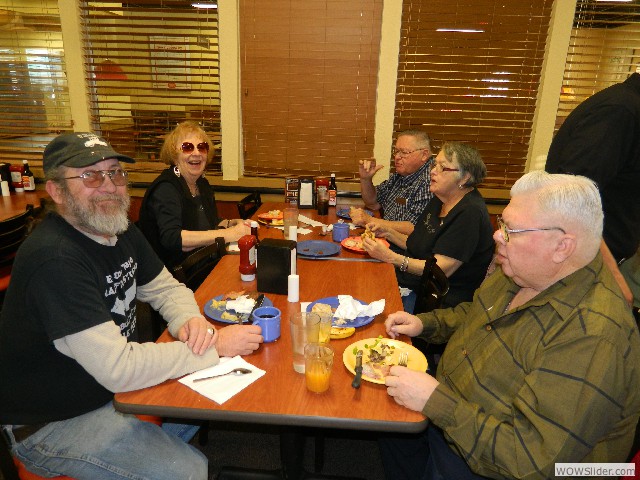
460,186
176,171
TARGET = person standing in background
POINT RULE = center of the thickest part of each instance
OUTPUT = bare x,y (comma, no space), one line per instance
600,139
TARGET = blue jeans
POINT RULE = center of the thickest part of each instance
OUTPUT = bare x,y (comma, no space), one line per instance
409,302
107,445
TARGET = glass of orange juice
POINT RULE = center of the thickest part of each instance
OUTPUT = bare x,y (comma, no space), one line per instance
318,359
324,334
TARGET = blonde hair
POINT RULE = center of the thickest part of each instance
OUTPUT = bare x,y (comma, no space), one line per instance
170,147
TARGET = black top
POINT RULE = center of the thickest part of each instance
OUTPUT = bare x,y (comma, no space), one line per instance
168,208
62,283
600,139
465,234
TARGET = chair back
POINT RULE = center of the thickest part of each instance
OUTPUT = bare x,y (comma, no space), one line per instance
434,286
195,268
13,231
249,205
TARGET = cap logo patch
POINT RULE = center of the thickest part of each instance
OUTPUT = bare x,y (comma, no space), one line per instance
93,141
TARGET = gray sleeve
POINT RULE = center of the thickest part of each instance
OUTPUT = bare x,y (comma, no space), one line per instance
121,366
172,299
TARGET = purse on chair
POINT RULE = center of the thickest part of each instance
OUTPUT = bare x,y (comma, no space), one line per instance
434,286
249,205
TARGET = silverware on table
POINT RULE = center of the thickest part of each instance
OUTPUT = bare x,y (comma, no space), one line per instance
235,371
358,370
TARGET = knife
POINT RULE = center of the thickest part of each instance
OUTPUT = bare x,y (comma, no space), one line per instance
358,369
259,302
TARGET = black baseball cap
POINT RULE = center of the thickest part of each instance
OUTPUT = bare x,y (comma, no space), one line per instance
79,149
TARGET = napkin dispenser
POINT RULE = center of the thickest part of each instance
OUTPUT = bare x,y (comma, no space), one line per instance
274,265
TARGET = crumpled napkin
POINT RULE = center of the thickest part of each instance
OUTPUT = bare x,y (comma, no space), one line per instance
222,389
242,304
349,308
308,221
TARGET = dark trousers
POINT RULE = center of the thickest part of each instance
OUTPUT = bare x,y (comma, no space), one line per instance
425,456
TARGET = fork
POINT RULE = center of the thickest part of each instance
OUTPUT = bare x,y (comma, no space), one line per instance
403,359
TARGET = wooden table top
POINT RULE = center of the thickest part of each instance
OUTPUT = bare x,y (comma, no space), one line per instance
16,203
280,397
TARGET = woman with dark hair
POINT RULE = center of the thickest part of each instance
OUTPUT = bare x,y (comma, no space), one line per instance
178,212
454,228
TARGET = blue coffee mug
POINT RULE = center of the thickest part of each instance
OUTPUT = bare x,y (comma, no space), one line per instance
340,231
268,318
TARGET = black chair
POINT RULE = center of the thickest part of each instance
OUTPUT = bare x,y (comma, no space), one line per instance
13,231
434,286
7,467
195,268
249,205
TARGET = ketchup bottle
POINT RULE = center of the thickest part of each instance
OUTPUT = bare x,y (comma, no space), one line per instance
248,256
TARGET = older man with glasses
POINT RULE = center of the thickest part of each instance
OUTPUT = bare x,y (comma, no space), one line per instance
68,332
542,368
404,196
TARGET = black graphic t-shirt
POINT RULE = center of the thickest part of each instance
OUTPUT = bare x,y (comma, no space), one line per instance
68,283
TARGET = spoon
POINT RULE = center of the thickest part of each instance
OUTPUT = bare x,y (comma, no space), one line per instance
235,371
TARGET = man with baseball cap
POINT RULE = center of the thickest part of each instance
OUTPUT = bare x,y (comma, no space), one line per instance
68,336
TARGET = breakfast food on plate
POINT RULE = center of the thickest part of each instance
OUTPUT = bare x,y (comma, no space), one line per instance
218,304
232,295
275,221
340,332
377,359
229,316
322,309
274,213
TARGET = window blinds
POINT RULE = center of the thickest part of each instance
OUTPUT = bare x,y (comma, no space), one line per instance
469,71
309,76
151,64
604,49
34,99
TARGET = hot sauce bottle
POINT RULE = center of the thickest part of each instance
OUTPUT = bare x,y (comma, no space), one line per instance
248,257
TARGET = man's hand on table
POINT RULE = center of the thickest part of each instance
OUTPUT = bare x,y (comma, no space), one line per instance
238,340
403,323
409,388
198,334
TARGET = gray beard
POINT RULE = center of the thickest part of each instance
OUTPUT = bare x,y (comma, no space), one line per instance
95,222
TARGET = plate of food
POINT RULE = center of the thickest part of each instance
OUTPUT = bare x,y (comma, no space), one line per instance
271,215
346,212
354,244
379,355
216,308
317,248
274,222
329,305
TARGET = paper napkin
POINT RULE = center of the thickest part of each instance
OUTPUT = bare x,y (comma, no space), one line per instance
223,388
233,247
242,304
299,231
308,221
349,308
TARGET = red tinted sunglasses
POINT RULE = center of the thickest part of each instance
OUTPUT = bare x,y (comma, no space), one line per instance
187,147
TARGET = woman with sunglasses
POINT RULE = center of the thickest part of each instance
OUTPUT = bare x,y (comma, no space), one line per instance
178,213
454,228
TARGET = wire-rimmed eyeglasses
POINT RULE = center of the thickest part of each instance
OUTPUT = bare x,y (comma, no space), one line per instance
405,153
506,231
95,178
439,167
